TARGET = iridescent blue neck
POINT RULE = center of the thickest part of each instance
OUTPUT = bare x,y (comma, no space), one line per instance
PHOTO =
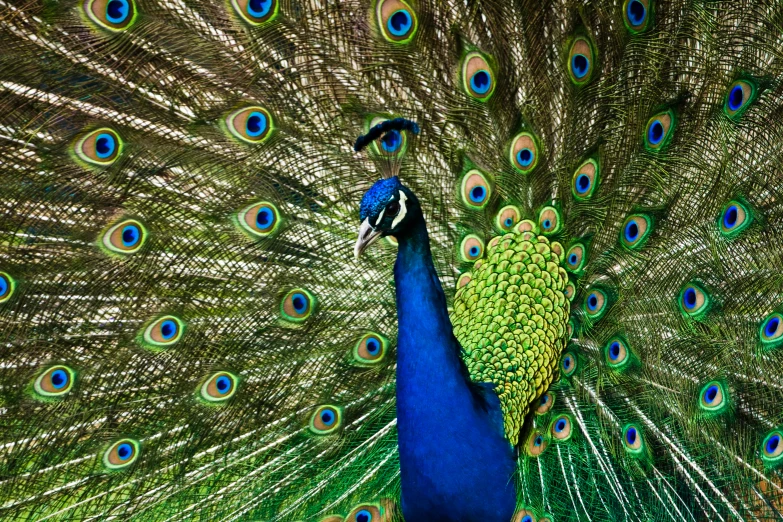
455,462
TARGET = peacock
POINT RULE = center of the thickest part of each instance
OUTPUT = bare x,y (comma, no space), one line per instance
385,260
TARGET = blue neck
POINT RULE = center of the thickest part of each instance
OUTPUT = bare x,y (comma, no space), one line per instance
455,462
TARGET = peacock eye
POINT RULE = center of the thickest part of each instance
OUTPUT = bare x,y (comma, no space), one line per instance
7,287
549,221
537,443
734,219
570,291
121,454
633,440
635,230
297,305
370,349
772,447
585,180
595,304
326,419
55,381
636,15
477,77
524,515
580,61
575,258
163,332
392,209
713,397
115,15
251,125
100,147
740,94
219,387
694,301
568,364
397,20
545,403
256,12
472,248
507,217
560,429
659,130
125,237
524,152
365,513
617,353
771,330
260,220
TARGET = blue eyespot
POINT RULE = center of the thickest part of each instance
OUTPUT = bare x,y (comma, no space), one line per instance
391,141
104,144
59,379
363,516
579,65
772,326
117,11
560,425
538,440
508,222
736,97
399,23
124,451
130,235
259,8
592,302
373,346
655,133
255,125
527,518
327,417
474,251
568,364
4,286
694,301
299,302
636,13
525,157
631,231
582,184
480,82
265,218
689,298
572,259
614,351
711,394
630,436
730,216
168,329
223,384
477,194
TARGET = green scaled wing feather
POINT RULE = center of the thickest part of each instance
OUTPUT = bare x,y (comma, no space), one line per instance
185,332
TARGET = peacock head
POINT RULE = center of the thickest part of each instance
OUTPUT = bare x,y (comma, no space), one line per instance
388,208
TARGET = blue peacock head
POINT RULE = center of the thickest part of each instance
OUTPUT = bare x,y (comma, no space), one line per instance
388,207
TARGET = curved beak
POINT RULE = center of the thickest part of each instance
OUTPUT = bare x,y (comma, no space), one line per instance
367,236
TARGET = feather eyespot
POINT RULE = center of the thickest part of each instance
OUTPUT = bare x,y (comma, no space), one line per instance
537,442
524,152
55,381
251,124
121,454
560,427
585,180
694,301
100,147
568,364
549,221
260,220
507,217
164,331
633,440
367,513
545,403
471,248
659,130
219,387
326,419
475,190
734,218
393,143
580,61
125,237
7,287
297,305
575,258
371,349
570,291
636,228
256,12
464,279
397,20
617,353
114,15
524,515
740,94
771,330
636,15
713,397
478,79
772,448
596,303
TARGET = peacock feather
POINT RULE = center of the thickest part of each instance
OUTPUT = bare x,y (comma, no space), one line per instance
576,312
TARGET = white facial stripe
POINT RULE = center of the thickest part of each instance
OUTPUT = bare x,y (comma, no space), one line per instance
403,210
380,217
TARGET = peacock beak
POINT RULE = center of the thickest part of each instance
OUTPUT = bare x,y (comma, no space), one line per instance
367,236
